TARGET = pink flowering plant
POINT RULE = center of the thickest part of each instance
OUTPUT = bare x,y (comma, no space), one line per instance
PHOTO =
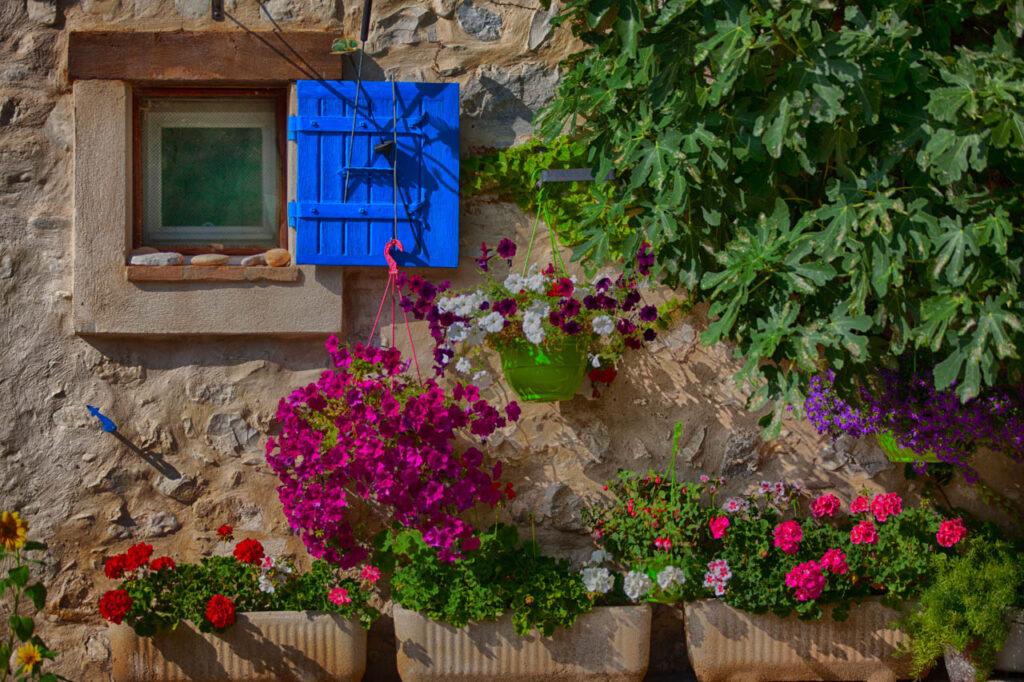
774,549
368,441
542,307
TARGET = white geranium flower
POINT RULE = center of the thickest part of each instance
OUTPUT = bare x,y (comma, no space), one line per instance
603,325
482,379
463,366
492,323
636,585
598,580
669,576
266,585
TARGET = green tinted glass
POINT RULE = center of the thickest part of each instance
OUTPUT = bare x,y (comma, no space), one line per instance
211,171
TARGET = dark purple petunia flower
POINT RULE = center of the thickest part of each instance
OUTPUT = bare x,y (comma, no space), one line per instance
512,411
650,335
645,259
609,303
648,313
572,328
570,307
447,319
633,342
507,249
506,306
603,284
632,298
625,326
591,302
555,318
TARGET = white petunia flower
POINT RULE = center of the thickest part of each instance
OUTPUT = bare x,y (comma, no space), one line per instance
598,580
458,332
266,585
533,328
492,323
669,576
636,585
482,379
475,337
515,283
603,325
595,360
599,556
539,308
463,366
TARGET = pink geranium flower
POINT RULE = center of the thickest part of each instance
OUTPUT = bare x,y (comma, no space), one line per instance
826,505
371,573
884,506
951,532
864,533
807,579
860,505
339,596
835,561
718,526
787,536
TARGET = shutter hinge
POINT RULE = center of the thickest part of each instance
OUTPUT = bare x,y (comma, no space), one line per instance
293,208
293,124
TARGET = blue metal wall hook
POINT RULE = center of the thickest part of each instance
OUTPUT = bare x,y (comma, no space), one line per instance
108,424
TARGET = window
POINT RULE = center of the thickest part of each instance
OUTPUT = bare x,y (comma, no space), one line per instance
208,169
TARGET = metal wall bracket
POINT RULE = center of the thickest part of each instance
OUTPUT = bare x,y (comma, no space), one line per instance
570,175
217,10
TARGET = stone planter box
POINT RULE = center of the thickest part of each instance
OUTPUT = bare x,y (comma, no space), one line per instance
724,643
1010,659
611,644
300,646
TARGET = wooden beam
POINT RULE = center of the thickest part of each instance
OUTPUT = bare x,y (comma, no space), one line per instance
207,56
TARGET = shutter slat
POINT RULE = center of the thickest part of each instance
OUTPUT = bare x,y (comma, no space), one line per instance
333,231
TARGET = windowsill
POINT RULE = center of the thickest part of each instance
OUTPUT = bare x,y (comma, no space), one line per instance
211,273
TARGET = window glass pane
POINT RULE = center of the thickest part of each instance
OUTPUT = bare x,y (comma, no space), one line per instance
210,171
211,176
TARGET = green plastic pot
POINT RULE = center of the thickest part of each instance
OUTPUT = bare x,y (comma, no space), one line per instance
543,373
887,441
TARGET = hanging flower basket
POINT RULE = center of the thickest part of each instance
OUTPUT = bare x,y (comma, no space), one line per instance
892,449
543,373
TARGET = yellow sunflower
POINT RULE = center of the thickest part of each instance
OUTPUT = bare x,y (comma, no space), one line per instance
13,530
28,656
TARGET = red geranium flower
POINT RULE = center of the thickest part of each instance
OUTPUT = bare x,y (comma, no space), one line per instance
224,533
116,566
115,605
510,492
220,611
249,551
563,288
138,555
161,563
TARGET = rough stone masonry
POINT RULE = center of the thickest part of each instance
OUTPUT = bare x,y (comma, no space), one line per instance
200,407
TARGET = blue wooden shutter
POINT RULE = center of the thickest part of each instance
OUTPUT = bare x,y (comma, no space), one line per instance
330,231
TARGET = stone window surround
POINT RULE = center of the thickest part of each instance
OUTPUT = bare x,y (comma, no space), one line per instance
108,300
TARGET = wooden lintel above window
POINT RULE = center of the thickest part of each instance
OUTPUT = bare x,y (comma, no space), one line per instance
221,56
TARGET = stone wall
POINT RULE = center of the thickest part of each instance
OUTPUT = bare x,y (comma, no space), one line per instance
195,411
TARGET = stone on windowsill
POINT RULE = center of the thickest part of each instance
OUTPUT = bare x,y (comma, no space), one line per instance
209,259
157,259
277,257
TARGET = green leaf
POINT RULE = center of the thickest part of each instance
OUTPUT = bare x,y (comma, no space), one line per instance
628,26
945,103
18,576
775,133
22,626
37,593
1009,132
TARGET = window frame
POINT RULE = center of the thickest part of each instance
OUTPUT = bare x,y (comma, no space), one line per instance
279,94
